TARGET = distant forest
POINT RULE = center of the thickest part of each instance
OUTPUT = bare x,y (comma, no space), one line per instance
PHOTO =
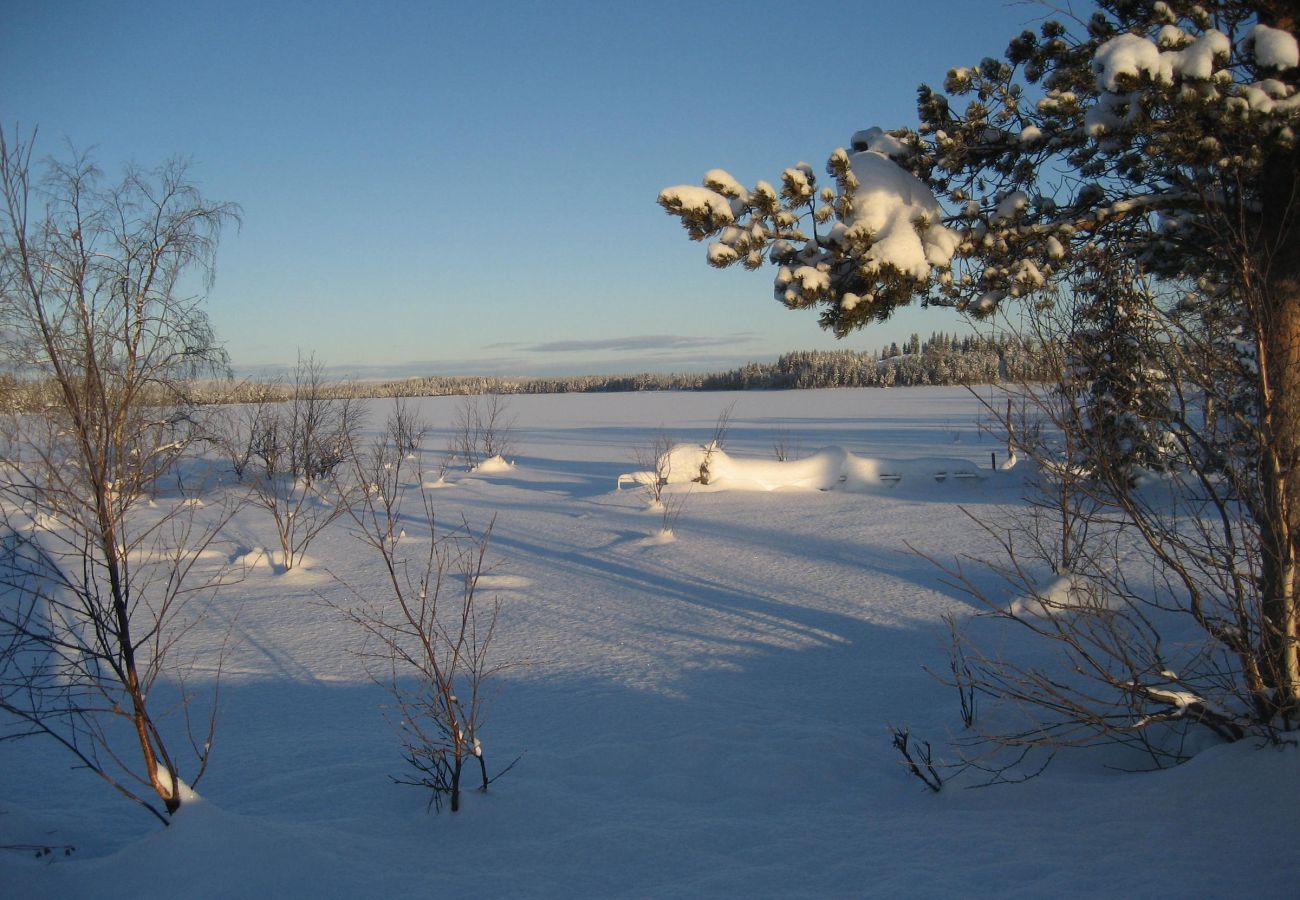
943,359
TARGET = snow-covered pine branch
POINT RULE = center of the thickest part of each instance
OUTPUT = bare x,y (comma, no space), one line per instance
1147,130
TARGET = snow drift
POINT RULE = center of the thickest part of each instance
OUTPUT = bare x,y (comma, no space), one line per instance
831,468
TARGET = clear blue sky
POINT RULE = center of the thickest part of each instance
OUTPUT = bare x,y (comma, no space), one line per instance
470,187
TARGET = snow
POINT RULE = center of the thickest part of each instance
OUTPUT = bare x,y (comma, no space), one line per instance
1063,595
1028,274
720,254
1262,96
1274,48
187,793
1010,207
700,716
494,465
1196,61
1104,116
1030,134
699,200
1177,56
901,216
797,179
812,279
1127,55
722,181
1171,37
877,140
831,468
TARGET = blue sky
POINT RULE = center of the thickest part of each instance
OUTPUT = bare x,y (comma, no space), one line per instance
453,187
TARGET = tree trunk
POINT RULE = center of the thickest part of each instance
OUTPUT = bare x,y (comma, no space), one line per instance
1280,481
1278,340
455,784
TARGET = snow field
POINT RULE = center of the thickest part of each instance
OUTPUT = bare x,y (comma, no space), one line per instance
701,718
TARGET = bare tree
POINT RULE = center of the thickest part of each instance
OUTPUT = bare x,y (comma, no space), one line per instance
717,441
785,447
405,429
306,450
484,428
1145,588
299,512
238,429
94,582
656,465
443,464
429,635
320,427
655,462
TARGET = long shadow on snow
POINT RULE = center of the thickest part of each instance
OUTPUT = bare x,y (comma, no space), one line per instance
595,559
767,610
600,561
719,744
625,525
569,478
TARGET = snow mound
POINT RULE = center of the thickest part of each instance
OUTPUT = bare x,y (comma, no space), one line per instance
1063,595
493,466
659,538
831,468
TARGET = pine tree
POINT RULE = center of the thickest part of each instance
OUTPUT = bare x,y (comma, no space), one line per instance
1159,139
1116,349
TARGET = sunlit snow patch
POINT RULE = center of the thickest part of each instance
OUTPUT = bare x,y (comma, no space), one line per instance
832,468
502,582
1063,595
494,466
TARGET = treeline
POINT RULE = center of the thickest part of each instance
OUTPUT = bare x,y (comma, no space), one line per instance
943,359
940,360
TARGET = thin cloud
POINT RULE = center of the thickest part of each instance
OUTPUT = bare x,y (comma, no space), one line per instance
642,343
622,355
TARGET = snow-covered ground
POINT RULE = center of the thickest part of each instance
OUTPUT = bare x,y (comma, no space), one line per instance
703,717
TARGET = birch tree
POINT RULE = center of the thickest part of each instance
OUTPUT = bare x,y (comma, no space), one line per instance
101,288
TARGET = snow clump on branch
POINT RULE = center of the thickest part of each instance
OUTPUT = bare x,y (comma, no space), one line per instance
900,216
958,212
880,225
1274,48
